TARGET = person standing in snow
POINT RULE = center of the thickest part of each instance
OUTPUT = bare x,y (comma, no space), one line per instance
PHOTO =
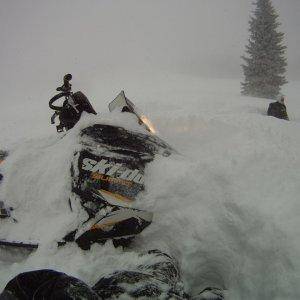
278,109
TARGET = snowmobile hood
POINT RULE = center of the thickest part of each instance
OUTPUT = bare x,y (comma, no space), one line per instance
104,163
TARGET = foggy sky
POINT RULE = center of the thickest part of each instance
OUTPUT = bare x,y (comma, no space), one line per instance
43,39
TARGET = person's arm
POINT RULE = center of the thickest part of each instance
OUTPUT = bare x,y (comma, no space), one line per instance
284,113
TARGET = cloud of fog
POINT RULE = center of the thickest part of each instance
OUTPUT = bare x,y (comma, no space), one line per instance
41,40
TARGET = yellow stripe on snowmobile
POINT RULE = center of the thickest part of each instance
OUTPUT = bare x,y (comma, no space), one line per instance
103,177
100,226
117,196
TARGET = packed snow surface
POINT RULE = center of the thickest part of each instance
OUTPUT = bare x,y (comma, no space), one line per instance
227,206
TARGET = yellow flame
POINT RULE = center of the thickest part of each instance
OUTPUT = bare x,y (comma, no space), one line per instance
148,123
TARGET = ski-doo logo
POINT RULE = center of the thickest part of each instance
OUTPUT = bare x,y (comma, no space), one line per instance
115,170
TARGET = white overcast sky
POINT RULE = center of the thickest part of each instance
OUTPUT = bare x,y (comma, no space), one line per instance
43,39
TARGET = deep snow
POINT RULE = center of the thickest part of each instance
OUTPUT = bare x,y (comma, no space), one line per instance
226,207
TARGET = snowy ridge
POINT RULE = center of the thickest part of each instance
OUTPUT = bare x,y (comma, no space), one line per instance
227,207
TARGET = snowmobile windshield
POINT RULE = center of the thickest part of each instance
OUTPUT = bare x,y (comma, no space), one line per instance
122,104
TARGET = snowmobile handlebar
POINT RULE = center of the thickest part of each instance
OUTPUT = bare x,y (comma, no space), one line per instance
56,97
65,90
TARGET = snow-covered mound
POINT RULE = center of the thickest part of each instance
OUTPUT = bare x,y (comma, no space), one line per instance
227,207
37,182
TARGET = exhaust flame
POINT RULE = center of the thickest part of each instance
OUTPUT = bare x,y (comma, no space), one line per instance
148,123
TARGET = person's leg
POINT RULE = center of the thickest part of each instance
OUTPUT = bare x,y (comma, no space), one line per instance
47,284
157,276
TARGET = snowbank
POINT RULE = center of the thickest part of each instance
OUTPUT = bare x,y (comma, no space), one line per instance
227,207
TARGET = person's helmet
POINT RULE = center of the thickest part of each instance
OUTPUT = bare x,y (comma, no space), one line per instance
281,99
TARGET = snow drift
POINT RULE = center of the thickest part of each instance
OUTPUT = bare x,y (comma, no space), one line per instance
226,207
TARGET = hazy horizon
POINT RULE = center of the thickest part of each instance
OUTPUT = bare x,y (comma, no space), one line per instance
42,40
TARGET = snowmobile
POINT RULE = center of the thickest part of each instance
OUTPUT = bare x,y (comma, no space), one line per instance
107,173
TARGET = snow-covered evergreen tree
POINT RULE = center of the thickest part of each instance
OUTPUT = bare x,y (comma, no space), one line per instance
265,63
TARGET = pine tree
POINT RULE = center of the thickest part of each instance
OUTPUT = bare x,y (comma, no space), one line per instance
265,64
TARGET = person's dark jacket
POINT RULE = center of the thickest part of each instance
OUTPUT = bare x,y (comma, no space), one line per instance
278,110
158,277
